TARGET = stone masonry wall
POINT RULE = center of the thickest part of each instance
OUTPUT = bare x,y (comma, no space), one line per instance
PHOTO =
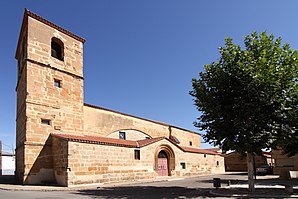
185,138
61,106
196,164
101,122
130,135
92,163
39,48
60,161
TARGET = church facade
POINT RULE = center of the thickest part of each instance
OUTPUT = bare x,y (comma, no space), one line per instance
62,140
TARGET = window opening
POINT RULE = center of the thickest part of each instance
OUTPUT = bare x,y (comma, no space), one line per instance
57,48
46,121
137,155
190,143
182,164
122,135
205,155
57,83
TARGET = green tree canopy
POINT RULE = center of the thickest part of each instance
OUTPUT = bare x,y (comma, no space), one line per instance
248,98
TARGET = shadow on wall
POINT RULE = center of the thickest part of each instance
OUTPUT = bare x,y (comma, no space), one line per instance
41,171
8,179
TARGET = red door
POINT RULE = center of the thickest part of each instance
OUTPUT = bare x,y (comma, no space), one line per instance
162,167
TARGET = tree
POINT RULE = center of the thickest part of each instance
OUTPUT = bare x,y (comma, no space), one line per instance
248,98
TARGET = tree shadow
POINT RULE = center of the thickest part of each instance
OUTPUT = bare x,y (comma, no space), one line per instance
277,181
226,181
237,173
144,192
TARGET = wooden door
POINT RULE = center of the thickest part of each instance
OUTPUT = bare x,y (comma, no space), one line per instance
162,167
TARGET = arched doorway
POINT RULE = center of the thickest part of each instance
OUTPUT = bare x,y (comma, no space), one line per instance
162,164
164,160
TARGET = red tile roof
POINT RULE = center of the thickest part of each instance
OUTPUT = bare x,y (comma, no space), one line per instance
146,142
126,143
213,149
196,150
107,141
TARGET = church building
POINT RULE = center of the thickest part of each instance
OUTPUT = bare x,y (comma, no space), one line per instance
62,140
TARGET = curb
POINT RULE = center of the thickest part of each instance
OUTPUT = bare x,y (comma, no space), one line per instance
12,187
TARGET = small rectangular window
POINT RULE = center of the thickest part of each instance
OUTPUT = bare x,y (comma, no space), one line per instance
190,143
182,164
122,135
57,83
137,155
46,122
205,155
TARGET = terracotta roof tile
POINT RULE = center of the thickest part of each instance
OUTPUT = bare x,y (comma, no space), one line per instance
125,143
108,141
196,150
146,142
96,140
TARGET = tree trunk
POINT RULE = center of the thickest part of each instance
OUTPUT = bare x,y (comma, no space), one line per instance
250,170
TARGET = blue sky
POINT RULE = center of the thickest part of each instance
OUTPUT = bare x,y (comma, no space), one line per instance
140,56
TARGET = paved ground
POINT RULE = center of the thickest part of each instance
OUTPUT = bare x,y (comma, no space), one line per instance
195,187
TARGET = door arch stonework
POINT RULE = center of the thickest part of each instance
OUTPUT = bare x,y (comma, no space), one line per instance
170,155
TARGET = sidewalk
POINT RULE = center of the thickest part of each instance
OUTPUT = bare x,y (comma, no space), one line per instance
9,185
266,188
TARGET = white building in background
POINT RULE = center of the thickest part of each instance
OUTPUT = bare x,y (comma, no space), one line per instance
8,163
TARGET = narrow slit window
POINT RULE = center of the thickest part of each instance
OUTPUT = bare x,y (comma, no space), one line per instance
57,83
46,121
205,155
190,143
137,155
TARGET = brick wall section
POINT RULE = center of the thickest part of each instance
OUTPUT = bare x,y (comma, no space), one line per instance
234,162
283,164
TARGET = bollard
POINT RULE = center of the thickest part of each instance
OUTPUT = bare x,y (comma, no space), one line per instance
216,182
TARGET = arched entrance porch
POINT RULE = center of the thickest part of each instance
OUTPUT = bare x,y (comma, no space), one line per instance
164,160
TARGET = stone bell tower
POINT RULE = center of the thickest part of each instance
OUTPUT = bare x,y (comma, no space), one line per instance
49,94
